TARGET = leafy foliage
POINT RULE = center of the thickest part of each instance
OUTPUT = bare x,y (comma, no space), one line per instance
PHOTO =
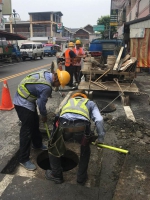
105,20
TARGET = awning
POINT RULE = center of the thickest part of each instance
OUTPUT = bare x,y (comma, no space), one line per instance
11,36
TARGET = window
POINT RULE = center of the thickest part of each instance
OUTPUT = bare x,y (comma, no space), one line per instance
26,46
47,48
34,47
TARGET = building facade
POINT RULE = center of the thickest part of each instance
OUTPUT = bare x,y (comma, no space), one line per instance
41,26
135,30
132,10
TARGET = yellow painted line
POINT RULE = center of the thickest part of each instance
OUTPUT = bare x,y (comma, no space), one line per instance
25,72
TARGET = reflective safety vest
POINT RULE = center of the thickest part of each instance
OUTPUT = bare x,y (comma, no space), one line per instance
68,60
76,106
78,51
23,91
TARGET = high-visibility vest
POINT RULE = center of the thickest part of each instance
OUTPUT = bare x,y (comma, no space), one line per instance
76,106
23,91
78,51
68,60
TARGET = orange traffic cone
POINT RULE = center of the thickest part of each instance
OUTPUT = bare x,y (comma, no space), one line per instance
6,102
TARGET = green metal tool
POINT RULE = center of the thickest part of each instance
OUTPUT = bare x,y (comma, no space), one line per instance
112,148
47,130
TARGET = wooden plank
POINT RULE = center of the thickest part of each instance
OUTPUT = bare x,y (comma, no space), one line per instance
63,102
103,75
99,84
129,113
127,57
110,72
118,59
128,63
111,86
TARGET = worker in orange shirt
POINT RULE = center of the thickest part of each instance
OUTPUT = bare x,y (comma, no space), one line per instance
78,50
69,61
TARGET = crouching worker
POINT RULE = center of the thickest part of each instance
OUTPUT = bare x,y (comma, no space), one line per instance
35,89
74,123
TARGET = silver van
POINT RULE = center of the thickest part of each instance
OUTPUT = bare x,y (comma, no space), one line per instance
32,50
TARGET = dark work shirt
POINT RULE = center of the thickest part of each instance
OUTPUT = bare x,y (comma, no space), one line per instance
72,54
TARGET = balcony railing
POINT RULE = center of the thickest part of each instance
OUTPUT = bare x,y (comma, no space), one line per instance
37,34
25,34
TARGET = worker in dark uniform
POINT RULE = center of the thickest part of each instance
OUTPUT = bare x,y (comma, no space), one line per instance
74,122
34,88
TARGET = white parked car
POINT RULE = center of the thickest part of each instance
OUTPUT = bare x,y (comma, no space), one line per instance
32,50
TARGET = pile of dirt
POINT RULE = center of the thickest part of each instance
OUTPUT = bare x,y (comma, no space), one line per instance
127,129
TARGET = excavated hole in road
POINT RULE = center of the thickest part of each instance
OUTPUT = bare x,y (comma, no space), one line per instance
68,161
101,171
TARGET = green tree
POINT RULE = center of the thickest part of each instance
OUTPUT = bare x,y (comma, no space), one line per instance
105,20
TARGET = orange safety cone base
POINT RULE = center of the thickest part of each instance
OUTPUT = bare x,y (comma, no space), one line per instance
6,102
4,108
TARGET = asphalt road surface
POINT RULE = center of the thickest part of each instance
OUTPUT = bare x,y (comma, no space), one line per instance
15,72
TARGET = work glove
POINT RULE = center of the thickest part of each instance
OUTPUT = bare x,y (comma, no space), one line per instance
44,119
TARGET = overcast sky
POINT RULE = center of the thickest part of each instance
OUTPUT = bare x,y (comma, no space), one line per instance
76,13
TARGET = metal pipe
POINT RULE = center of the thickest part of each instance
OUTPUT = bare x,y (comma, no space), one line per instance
112,148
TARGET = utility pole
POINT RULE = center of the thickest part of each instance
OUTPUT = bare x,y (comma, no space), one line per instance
14,15
110,18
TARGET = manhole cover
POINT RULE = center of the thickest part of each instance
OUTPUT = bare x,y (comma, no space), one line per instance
68,161
102,104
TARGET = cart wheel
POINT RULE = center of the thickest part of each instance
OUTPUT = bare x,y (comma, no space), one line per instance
35,57
41,56
18,59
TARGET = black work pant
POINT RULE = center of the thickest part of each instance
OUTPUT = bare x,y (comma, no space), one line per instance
77,73
70,70
29,132
85,152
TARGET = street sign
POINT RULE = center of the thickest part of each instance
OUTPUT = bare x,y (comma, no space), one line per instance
98,28
114,18
59,27
113,23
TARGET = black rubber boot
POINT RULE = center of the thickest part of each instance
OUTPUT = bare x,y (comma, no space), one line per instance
51,177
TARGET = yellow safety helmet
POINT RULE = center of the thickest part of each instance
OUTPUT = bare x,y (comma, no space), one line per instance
78,94
78,42
71,44
63,77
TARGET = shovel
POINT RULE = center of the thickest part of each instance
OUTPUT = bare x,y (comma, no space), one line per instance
125,99
112,148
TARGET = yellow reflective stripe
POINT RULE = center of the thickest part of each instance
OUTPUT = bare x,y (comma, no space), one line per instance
76,106
23,91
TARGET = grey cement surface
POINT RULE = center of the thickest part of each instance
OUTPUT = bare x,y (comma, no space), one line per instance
39,189
30,187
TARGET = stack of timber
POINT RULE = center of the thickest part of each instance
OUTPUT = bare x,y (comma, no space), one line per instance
128,64
125,63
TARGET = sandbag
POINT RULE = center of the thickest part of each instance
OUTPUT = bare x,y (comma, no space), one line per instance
56,145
